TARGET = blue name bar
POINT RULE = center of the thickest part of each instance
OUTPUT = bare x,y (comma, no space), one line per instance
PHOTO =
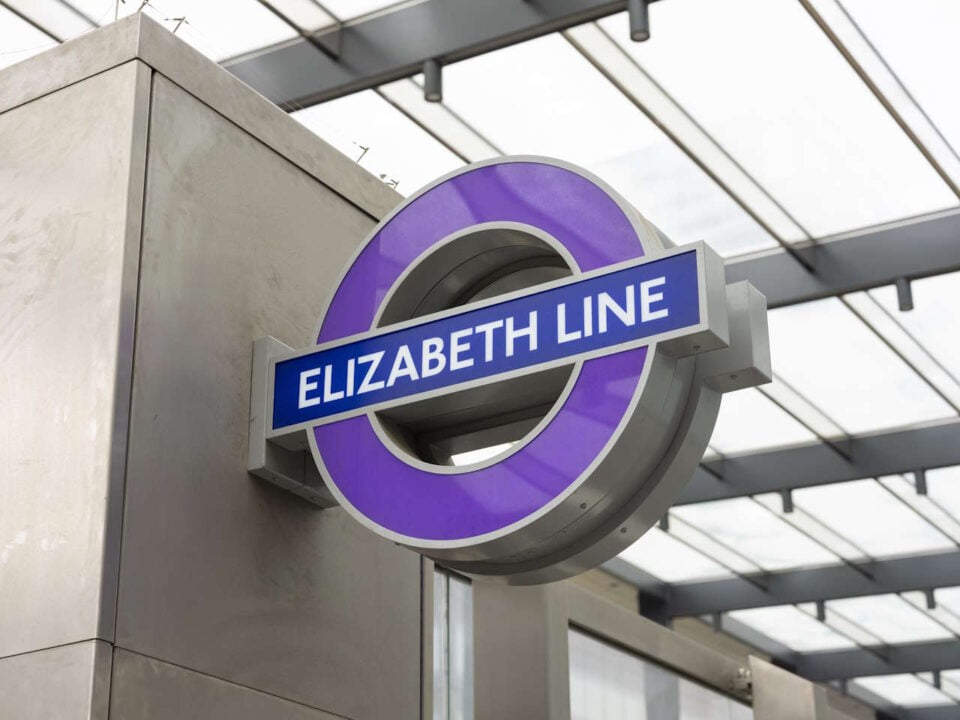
600,314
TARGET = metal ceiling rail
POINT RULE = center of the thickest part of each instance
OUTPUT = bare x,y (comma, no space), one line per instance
831,582
884,453
844,665
885,660
392,45
869,258
935,712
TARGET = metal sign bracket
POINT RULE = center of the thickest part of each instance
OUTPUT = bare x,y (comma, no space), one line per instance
283,460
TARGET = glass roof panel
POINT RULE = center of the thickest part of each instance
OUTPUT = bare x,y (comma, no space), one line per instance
864,512
903,690
949,598
598,46
305,14
561,106
943,488
921,48
444,123
55,17
809,525
793,628
711,547
832,358
887,324
848,628
801,408
350,9
890,618
905,489
789,108
755,532
750,421
366,128
933,318
220,29
670,560
19,39
940,612
875,61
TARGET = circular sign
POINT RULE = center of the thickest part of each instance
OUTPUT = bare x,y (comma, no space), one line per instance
591,451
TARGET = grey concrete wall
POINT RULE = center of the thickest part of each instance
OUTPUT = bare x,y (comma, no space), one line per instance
69,682
149,689
520,652
222,573
126,512
71,169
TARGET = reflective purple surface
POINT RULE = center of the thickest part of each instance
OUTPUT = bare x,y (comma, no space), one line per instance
441,506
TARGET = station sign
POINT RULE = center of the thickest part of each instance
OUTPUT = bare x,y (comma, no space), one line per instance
518,304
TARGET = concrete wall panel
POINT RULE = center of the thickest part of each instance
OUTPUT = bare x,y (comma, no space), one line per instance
70,682
68,264
221,572
149,689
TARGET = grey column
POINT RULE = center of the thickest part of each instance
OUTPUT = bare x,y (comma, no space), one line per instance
521,660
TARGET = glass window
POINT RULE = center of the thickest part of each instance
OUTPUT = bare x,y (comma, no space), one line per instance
793,628
560,105
789,108
833,359
452,647
607,683
381,139
864,512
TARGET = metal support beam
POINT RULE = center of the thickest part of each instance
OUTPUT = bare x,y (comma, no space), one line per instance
822,668
393,45
885,453
910,249
832,582
886,660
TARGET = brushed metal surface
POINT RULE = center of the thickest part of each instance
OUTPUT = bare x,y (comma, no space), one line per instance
221,572
149,689
68,265
70,682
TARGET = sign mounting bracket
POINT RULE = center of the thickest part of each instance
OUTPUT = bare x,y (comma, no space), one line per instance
283,460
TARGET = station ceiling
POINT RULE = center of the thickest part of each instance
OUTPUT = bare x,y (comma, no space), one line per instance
814,143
